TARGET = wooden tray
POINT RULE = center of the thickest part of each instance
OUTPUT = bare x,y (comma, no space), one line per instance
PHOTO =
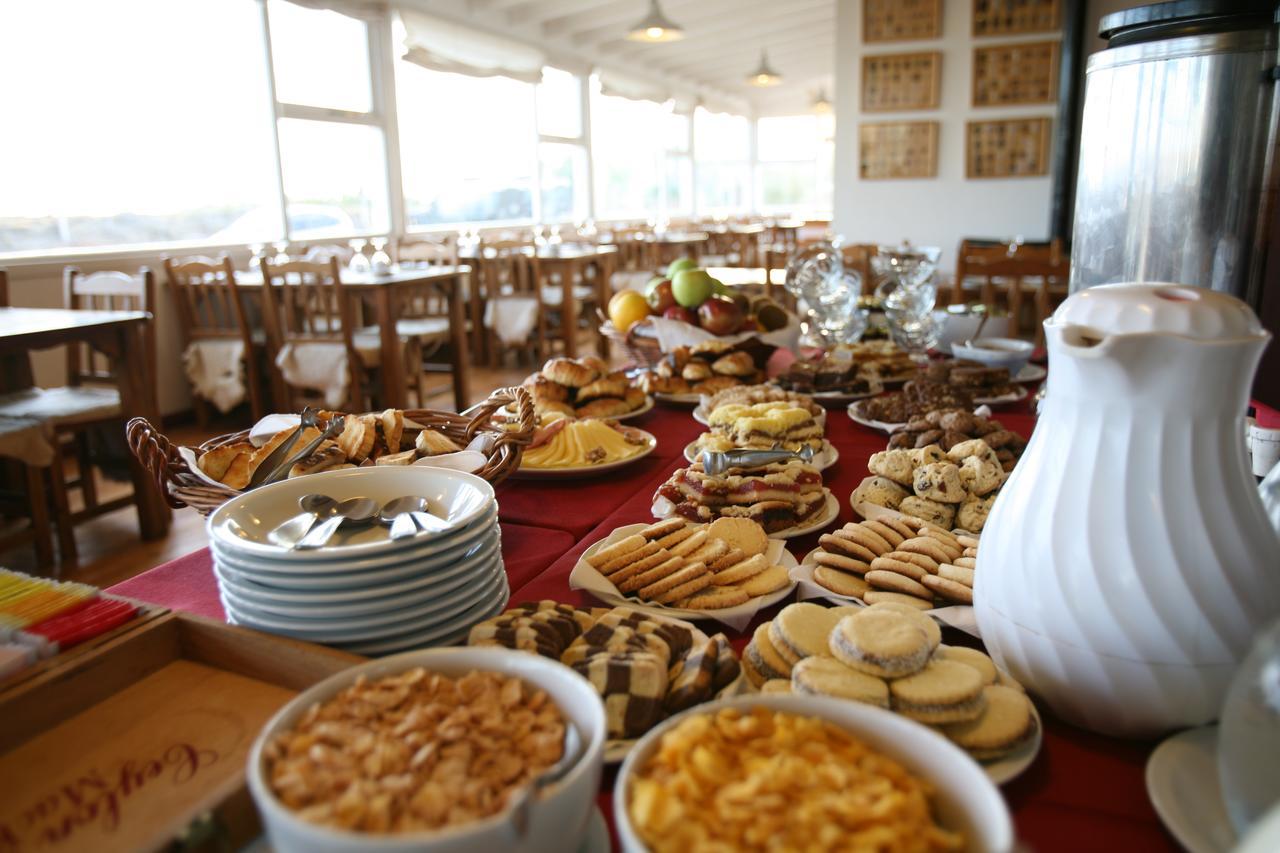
143,738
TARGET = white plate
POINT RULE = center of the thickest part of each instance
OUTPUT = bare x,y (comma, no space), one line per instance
831,508
242,523
824,459
1012,397
585,577
635,413
1183,784
1030,373
371,598
958,616
524,473
701,415
451,633
377,628
882,426
424,554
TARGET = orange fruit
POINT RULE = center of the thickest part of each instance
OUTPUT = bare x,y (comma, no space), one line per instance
626,308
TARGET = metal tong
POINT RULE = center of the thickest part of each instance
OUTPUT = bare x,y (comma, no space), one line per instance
717,462
278,462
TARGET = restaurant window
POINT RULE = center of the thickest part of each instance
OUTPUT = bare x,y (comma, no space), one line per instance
124,131
628,154
679,166
467,147
332,148
722,151
562,148
793,164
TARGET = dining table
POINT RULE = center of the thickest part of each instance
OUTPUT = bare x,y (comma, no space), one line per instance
1082,791
571,263
387,291
119,335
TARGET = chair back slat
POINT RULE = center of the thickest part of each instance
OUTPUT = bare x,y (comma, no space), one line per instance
4,288
434,251
107,290
305,301
208,301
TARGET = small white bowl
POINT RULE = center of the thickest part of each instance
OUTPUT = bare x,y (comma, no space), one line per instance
965,798
996,352
557,820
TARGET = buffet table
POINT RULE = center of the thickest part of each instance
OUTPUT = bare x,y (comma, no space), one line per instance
1083,791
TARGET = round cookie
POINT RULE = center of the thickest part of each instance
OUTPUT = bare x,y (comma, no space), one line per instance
841,562
784,651
896,465
866,537
930,628
973,512
741,533
821,676
885,532
927,546
776,685
969,657
894,582
939,481
879,596
764,656
880,642
880,491
957,574
754,675
803,628
833,544
892,563
928,511
841,583
949,589
1005,724
943,692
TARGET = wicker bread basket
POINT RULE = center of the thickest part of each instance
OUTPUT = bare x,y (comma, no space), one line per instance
181,487
642,350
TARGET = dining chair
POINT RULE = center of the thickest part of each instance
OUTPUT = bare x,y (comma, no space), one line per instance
423,312
1019,276
213,309
512,295
311,337
976,250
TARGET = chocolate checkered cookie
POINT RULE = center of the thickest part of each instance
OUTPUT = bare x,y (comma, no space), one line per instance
633,685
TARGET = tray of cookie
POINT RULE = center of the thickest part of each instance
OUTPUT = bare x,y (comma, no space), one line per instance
890,656
890,557
645,666
726,570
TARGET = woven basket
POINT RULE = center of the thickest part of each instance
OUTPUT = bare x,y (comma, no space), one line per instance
643,351
181,487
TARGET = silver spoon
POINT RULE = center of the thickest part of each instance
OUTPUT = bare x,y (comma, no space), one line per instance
314,507
354,511
408,515
521,801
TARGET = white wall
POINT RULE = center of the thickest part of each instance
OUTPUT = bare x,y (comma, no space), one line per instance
936,211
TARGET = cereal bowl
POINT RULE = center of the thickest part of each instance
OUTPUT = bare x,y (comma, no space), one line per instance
1011,353
557,820
964,798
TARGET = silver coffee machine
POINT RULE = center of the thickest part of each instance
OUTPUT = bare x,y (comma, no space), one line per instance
1177,175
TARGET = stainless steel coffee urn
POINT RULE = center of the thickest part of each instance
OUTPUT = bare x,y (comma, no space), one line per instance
1177,175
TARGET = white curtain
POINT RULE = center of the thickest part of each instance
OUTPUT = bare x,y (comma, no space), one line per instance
442,45
686,102
634,88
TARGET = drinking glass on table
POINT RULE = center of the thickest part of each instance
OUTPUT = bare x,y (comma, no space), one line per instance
381,261
359,263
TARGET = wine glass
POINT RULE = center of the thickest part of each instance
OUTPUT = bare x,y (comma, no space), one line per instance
381,261
916,334
359,263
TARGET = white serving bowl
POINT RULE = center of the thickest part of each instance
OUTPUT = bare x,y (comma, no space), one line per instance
241,524
1011,353
965,798
558,818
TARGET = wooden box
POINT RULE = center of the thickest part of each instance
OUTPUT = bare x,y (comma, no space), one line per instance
898,149
1022,73
901,81
129,745
1006,148
901,20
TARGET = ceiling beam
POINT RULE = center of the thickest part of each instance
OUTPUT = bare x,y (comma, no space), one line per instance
798,59
614,18
748,51
535,12
715,26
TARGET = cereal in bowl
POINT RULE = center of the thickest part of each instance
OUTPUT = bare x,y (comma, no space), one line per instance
416,751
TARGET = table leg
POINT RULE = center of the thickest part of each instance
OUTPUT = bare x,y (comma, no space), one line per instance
138,397
393,368
458,337
604,275
475,307
569,311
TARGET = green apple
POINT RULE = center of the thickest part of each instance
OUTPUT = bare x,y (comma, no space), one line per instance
692,287
722,289
680,264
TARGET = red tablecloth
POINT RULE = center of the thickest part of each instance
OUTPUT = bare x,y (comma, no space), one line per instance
1082,792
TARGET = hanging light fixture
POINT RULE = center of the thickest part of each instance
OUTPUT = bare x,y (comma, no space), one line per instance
821,106
764,75
655,27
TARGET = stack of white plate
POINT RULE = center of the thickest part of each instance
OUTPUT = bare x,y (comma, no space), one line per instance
364,592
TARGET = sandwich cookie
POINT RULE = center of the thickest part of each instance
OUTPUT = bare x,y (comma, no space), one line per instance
1005,725
776,685
881,642
969,657
943,692
764,655
924,623
803,629
822,676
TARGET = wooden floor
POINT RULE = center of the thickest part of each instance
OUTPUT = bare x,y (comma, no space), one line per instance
110,550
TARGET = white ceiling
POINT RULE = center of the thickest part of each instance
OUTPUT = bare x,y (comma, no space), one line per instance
722,42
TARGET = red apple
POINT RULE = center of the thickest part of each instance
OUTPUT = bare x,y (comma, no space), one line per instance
677,312
660,296
720,315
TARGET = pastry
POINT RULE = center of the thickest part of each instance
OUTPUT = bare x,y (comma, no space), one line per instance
1004,725
734,364
778,496
714,384
824,676
763,425
603,407
880,491
930,511
749,395
546,390
696,371
432,443
895,465
973,512
944,691
880,642
938,481
570,373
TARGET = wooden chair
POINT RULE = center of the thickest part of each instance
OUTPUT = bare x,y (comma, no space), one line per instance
977,250
511,272
304,302
424,313
211,307
1050,279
